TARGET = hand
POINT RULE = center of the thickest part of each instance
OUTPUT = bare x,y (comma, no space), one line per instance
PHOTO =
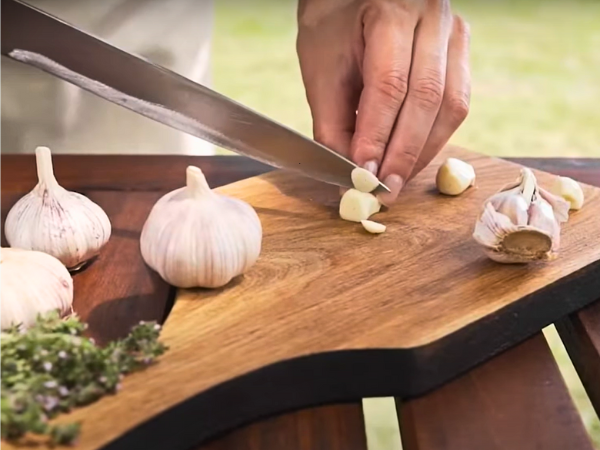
387,81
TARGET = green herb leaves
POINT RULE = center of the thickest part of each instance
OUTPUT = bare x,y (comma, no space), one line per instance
51,368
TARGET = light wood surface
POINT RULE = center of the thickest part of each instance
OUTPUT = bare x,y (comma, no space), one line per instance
331,313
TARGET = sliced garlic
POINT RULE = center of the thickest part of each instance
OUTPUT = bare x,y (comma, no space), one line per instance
373,227
196,237
521,223
356,205
32,283
363,180
570,190
454,177
50,219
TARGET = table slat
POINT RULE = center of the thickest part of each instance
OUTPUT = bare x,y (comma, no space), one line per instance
580,333
336,427
516,401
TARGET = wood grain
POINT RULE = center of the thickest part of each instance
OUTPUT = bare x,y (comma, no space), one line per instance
313,323
126,172
333,427
516,401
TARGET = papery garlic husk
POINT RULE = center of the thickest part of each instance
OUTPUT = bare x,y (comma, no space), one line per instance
521,223
50,219
32,283
196,237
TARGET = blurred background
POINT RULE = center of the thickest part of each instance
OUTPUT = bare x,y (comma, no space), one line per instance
536,92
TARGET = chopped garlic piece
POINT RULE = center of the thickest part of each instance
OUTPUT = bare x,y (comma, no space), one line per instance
356,205
373,227
363,180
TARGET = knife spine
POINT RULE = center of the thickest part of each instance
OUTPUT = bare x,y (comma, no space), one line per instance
154,111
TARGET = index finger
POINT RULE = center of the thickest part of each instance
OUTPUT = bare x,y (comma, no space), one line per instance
386,67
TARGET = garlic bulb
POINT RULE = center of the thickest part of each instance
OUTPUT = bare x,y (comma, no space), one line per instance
32,283
521,223
454,177
50,219
570,190
196,237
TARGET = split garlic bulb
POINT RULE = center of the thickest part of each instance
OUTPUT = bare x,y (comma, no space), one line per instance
32,283
521,223
196,237
50,219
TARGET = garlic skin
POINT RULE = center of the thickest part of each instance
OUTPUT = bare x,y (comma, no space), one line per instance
373,227
50,219
521,223
454,177
363,180
196,237
32,283
570,190
356,205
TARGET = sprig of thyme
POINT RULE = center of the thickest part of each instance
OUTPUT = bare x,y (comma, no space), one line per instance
51,368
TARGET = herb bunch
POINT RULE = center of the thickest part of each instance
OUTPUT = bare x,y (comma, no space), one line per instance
51,368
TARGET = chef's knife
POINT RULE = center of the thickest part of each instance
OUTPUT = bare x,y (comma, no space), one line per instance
39,39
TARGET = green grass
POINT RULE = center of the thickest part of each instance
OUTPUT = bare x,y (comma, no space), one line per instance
536,91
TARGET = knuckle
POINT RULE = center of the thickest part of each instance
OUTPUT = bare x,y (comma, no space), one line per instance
411,153
458,107
373,145
428,91
394,85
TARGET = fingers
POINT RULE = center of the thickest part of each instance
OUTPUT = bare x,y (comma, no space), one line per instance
333,118
332,82
388,35
455,104
423,101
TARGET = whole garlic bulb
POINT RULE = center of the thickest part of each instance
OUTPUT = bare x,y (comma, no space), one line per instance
50,219
32,283
521,223
195,237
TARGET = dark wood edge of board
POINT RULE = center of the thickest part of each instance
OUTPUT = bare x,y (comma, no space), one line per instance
345,376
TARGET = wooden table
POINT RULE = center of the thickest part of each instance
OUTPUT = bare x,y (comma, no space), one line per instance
517,401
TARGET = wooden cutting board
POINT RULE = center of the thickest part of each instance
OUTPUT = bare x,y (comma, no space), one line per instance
331,313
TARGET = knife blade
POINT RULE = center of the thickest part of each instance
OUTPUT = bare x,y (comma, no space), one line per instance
36,38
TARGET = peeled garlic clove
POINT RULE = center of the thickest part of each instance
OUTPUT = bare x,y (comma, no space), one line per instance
356,205
196,237
50,219
363,180
569,190
32,283
373,227
521,223
454,177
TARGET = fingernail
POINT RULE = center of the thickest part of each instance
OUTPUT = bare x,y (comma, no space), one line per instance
394,183
371,166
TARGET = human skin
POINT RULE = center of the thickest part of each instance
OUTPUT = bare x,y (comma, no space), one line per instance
387,81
